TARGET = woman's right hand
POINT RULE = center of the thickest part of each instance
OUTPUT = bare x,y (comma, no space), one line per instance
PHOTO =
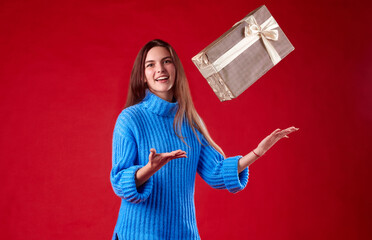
158,160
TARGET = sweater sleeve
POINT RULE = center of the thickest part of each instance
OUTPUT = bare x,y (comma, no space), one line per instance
124,155
220,172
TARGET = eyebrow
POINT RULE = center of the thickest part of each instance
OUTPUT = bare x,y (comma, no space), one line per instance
160,60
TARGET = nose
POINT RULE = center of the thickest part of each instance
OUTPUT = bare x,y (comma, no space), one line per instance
160,68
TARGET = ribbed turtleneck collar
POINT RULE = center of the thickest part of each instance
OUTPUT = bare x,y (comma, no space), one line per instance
158,105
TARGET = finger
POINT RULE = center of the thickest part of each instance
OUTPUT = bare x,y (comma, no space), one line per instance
170,158
170,155
292,128
178,151
151,155
180,156
284,134
275,131
289,130
173,154
165,155
181,153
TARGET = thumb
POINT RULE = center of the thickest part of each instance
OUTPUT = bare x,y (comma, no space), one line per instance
152,153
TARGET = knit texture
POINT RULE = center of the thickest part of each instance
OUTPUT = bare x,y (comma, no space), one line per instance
163,207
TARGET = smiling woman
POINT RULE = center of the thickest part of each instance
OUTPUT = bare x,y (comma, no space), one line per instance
160,72
157,189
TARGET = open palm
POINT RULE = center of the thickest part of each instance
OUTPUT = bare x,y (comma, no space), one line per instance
157,160
275,136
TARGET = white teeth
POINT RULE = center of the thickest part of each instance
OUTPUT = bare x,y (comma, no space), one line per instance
162,78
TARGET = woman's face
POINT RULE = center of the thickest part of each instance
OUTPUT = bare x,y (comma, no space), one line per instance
160,72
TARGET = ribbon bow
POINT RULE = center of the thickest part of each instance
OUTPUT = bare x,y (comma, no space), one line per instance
265,31
253,32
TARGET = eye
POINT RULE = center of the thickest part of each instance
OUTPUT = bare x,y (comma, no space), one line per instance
150,65
168,61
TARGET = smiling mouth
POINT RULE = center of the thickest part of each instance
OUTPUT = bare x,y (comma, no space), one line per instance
162,79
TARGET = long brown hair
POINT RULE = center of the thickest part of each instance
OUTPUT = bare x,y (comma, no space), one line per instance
181,90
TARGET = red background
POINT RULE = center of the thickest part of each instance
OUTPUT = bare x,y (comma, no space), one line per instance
64,70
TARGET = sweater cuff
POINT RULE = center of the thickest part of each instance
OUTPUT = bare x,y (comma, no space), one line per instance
131,193
234,182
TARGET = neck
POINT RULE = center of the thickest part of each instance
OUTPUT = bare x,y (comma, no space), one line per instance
167,96
159,106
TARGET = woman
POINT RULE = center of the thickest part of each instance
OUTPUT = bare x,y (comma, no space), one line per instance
159,143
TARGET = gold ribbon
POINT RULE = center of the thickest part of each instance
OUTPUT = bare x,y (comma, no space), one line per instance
252,32
266,31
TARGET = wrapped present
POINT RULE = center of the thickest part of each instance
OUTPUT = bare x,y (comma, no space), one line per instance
238,58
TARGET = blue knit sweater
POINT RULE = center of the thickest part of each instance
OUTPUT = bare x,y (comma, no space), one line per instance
163,207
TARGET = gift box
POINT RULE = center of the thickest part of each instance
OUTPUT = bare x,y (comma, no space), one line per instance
244,53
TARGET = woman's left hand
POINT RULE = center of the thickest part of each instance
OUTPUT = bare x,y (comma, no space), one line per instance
270,140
